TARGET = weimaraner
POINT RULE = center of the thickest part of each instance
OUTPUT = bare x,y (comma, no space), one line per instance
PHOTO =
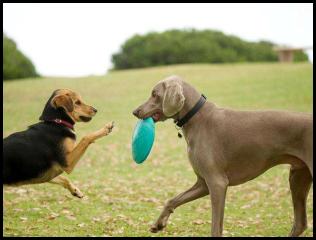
228,147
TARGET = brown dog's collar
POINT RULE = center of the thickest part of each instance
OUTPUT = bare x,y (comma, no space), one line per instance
61,122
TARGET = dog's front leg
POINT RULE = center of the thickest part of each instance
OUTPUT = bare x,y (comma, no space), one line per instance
73,157
217,186
198,190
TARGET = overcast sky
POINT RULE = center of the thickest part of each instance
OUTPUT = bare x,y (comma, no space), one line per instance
79,39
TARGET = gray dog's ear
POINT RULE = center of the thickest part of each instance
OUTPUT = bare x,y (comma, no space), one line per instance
173,99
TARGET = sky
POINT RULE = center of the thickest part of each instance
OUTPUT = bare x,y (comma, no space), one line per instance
75,40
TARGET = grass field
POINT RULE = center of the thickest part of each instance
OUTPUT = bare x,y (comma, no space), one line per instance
123,198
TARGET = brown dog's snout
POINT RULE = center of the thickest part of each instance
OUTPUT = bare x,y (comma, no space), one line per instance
93,109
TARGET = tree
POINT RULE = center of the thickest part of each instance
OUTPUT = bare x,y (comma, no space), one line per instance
15,63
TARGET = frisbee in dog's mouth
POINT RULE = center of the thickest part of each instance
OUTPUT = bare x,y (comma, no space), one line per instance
85,119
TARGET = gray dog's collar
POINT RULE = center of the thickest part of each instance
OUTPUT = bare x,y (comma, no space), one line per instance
191,113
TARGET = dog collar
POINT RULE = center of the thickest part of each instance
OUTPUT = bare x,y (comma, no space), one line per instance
61,122
191,113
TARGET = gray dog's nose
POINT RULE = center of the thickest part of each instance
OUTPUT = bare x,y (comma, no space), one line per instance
136,112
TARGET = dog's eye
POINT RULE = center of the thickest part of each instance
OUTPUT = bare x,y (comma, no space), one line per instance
153,94
78,102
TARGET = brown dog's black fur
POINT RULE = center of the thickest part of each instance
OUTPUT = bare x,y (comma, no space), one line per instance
30,153
47,149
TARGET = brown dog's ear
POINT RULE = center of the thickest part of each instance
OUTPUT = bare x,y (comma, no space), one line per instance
63,101
173,99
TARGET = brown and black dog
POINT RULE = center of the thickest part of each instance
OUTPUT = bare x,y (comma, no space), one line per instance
47,149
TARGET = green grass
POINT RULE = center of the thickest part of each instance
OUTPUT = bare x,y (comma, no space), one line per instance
123,198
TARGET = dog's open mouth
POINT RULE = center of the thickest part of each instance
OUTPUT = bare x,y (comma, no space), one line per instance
156,116
85,119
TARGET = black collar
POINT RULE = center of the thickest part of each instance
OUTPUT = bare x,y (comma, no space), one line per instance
191,113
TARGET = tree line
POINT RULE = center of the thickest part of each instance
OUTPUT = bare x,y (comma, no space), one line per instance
192,46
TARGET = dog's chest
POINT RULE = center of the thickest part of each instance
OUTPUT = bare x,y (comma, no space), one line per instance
202,151
68,145
195,158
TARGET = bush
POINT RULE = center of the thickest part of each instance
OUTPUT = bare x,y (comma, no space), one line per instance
15,64
191,46
300,56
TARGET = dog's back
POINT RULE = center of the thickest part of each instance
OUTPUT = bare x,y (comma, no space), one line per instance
29,153
263,134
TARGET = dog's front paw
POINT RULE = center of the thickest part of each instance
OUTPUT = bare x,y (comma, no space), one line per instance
109,127
106,129
103,131
158,226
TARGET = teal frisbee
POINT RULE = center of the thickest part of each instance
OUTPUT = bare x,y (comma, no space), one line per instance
143,139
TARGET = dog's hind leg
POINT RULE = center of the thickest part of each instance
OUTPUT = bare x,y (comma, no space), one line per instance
63,181
198,190
300,183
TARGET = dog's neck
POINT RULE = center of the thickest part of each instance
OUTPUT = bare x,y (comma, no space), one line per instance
192,96
50,113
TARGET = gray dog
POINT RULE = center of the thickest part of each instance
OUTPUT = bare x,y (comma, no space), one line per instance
228,147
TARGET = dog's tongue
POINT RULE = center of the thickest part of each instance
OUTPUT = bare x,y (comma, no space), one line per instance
156,116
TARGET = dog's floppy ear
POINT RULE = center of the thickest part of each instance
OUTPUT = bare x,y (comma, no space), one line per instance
63,101
173,99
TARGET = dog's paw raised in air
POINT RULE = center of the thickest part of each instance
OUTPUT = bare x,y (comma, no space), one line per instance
102,132
109,126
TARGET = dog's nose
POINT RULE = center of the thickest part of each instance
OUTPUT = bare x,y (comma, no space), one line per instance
136,112
95,110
